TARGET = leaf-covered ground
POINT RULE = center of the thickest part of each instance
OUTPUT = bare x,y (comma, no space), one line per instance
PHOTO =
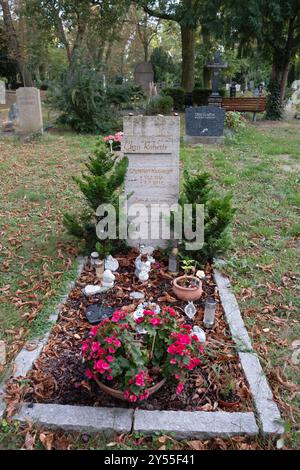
261,166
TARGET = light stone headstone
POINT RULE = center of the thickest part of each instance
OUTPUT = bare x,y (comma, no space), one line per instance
2,92
30,110
151,144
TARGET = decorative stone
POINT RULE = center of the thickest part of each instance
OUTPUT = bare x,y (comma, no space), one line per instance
91,290
96,313
136,295
108,279
190,310
111,263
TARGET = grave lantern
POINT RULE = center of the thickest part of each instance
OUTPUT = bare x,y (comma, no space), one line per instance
209,313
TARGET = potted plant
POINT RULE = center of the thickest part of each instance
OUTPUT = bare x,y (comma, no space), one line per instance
130,356
227,396
189,286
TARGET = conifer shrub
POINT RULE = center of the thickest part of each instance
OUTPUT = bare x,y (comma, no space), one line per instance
218,215
100,185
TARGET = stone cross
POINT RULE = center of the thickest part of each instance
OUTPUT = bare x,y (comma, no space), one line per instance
216,65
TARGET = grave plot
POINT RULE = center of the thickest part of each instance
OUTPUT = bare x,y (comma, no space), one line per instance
226,395
59,377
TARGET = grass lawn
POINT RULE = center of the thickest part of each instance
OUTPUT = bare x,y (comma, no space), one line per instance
260,166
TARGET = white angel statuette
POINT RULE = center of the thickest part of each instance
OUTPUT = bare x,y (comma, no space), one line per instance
111,263
108,279
197,331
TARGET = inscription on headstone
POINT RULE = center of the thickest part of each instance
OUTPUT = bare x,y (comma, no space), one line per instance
205,121
151,144
2,93
30,110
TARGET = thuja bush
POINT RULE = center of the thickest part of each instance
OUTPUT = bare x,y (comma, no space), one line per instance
100,185
218,215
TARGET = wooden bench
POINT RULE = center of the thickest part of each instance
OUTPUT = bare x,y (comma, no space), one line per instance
245,105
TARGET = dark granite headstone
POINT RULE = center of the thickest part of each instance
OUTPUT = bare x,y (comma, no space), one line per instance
204,121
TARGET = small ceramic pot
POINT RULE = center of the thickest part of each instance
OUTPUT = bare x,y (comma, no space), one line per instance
187,293
120,395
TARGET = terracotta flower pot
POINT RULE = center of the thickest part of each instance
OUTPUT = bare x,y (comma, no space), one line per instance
231,403
120,395
187,293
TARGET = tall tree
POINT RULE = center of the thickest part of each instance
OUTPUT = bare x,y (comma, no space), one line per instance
187,14
14,43
74,21
275,24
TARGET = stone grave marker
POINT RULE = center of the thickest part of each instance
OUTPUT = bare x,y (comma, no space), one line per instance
204,124
2,92
151,144
144,76
30,110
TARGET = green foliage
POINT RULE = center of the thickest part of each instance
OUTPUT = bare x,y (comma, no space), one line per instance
234,120
99,186
201,95
124,94
218,215
165,70
274,110
82,101
177,94
160,105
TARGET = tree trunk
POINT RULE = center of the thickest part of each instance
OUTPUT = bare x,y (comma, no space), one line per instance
188,58
206,74
14,44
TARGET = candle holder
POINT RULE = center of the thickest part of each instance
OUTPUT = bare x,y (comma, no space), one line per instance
94,258
99,266
209,313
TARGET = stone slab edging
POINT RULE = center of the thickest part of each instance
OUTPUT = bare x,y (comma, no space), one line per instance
196,424
84,419
267,410
25,359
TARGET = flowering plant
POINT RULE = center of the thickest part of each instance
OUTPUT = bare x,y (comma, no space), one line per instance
131,361
114,140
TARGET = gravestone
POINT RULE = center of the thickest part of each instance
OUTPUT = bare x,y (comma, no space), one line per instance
30,110
295,98
143,76
204,124
151,144
2,93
